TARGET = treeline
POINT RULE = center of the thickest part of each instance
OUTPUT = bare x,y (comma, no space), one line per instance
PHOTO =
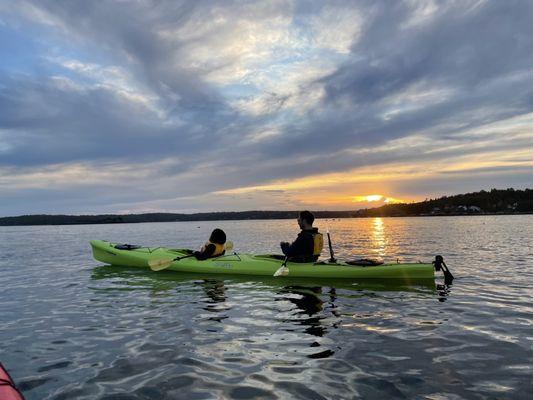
161,217
496,201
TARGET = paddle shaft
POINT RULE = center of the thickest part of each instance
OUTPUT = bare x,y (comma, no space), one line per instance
164,264
331,255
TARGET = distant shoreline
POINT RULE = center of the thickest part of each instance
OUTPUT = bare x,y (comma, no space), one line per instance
494,202
110,219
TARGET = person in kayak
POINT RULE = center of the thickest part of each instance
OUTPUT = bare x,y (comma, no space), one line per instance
309,243
214,247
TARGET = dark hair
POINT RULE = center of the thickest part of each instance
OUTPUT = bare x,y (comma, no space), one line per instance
307,216
218,236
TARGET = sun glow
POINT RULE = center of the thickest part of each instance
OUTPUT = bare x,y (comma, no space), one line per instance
375,197
390,200
369,198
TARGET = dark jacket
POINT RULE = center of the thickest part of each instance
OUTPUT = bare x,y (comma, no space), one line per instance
301,250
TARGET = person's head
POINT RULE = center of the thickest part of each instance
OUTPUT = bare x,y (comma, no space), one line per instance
218,236
306,219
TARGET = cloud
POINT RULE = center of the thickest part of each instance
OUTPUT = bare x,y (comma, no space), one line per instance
402,81
55,120
207,105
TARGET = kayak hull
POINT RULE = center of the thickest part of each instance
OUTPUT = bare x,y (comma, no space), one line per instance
258,265
8,390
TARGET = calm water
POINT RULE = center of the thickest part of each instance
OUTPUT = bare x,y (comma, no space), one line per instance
73,329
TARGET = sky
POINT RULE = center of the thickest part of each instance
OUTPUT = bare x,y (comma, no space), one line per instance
196,106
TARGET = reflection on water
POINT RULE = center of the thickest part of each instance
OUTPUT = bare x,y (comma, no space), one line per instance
379,242
71,330
444,290
308,304
315,311
214,289
135,278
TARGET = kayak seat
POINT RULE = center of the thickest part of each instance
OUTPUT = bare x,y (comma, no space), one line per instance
127,246
365,262
273,256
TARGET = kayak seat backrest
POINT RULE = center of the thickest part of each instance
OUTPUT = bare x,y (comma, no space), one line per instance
272,256
365,262
127,246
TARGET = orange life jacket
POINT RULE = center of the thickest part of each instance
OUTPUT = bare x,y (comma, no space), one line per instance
318,244
219,248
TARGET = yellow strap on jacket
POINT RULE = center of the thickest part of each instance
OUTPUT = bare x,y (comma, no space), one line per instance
219,248
318,241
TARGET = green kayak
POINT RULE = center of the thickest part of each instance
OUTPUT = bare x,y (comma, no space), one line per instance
249,264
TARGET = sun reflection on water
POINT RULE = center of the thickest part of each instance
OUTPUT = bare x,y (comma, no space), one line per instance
379,241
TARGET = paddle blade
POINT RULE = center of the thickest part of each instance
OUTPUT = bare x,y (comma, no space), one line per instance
158,265
448,277
282,271
229,245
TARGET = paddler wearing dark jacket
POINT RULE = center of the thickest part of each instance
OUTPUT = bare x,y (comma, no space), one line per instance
309,243
214,247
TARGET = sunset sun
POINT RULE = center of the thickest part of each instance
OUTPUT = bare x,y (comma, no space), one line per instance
376,198
373,197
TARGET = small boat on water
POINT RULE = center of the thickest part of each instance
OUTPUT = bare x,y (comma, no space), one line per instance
8,390
180,260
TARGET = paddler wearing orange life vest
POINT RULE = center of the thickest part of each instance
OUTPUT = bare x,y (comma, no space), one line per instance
309,243
214,247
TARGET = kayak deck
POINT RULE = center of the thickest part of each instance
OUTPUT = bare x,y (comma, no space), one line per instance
260,265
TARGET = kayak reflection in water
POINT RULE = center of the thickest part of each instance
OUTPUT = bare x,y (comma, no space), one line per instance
214,247
309,243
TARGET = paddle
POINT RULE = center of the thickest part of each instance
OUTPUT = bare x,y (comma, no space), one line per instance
158,265
161,264
448,277
440,264
331,255
283,270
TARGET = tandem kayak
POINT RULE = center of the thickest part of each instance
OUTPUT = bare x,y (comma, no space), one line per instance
250,264
8,390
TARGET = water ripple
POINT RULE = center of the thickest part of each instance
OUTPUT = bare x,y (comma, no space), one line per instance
72,329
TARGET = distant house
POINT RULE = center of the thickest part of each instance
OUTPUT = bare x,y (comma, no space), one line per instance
512,206
462,208
474,209
436,210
